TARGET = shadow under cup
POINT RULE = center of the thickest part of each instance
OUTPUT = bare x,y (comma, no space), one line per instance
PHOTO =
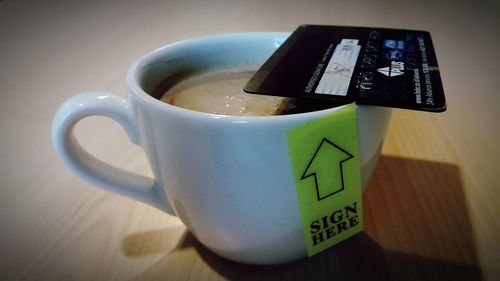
228,178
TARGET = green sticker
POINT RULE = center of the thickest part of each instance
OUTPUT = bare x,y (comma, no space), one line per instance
324,155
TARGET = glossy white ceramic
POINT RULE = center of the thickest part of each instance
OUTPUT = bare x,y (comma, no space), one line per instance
227,178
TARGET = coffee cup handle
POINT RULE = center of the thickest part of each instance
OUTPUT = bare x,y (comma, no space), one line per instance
93,170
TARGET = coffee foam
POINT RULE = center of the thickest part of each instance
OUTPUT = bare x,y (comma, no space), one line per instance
221,92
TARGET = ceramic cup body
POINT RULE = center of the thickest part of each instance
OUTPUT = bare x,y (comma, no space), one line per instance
228,178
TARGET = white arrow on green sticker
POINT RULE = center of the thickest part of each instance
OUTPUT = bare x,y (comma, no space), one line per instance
328,179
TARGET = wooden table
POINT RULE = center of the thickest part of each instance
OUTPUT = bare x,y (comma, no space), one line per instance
431,209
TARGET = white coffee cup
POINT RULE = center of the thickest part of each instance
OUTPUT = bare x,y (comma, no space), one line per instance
228,178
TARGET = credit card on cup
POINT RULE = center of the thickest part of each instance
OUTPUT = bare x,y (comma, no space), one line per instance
376,66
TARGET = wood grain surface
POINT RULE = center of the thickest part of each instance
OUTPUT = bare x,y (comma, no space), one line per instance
431,210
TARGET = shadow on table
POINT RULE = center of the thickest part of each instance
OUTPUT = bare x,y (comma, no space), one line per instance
417,227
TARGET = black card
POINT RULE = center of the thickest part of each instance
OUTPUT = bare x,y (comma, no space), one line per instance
376,66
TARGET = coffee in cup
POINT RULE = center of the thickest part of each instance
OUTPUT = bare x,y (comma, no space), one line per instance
228,178
220,91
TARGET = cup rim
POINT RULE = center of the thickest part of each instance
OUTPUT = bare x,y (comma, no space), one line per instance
132,79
